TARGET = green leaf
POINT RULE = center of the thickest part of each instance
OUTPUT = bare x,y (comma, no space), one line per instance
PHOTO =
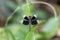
3,34
50,28
30,34
18,31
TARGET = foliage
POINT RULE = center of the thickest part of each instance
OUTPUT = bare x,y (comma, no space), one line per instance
17,31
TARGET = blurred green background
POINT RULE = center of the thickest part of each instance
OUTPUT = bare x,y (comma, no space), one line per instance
12,12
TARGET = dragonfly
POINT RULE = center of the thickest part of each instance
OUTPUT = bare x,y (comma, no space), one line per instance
30,20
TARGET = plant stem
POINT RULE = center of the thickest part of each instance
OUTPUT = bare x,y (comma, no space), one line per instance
8,31
11,16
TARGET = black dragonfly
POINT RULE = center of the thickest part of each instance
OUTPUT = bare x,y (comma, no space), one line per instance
30,20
